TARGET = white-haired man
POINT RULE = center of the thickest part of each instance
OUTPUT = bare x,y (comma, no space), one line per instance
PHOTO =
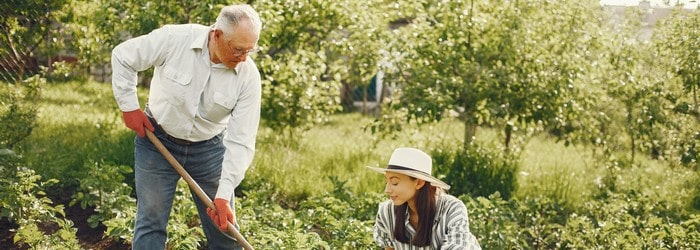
204,105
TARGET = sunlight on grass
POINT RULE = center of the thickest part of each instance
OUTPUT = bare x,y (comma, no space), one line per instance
341,149
566,174
77,121
76,102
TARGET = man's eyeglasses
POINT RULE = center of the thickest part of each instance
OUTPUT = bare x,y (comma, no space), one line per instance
239,52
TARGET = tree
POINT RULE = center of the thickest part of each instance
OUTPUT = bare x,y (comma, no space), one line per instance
513,64
24,27
305,60
677,52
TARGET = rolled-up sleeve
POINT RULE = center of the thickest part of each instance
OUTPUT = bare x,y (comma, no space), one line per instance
240,138
383,226
132,56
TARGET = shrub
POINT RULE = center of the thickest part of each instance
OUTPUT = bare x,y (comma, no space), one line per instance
265,223
617,221
103,188
18,108
477,171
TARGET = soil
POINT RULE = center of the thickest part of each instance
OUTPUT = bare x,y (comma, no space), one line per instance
89,238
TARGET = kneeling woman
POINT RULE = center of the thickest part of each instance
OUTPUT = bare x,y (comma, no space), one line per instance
420,215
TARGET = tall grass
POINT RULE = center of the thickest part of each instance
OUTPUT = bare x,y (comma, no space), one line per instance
567,175
340,149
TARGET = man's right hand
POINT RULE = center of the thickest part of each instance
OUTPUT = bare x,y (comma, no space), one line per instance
136,120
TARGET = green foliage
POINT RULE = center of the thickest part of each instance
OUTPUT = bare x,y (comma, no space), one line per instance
27,30
87,112
340,219
518,68
477,170
630,220
292,100
618,221
496,70
121,225
98,26
184,228
18,108
103,189
298,84
59,72
23,201
679,54
675,41
494,222
265,223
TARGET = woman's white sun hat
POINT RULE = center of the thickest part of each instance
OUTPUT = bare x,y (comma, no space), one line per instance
414,163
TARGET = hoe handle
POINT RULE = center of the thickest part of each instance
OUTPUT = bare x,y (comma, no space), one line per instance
194,186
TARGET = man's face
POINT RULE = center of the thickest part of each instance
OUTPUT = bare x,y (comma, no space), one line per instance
234,48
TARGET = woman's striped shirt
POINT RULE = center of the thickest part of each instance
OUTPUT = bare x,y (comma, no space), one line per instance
450,227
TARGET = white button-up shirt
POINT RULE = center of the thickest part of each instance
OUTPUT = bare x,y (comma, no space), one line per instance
190,97
450,227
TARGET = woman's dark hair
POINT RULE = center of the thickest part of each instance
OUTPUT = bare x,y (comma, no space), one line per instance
426,206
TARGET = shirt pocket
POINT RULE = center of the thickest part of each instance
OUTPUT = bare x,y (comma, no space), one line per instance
221,107
176,85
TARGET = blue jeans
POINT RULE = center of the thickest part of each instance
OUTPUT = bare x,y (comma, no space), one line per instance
156,181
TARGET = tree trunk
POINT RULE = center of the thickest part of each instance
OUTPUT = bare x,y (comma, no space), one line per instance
469,131
695,99
509,132
630,130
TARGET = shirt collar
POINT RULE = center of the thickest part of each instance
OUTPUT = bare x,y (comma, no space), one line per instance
201,39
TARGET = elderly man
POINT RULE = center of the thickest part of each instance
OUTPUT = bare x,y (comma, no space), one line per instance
204,105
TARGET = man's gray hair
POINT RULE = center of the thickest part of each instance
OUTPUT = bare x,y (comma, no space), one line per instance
231,16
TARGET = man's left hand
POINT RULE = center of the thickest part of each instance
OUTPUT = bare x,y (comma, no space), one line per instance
222,214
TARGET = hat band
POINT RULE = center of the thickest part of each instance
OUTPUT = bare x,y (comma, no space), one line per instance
394,167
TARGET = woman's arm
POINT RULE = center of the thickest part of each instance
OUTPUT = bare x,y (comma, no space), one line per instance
458,234
383,226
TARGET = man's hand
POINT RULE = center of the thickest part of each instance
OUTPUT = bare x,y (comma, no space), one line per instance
222,214
136,120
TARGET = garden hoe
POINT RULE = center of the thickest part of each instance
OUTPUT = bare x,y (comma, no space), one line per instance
194,186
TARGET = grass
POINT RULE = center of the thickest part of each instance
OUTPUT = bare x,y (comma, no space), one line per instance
339,149
76,122
565,174
79,121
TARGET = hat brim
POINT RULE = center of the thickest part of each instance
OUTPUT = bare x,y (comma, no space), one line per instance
415,174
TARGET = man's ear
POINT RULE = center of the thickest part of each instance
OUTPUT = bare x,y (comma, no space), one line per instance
419,183
218,33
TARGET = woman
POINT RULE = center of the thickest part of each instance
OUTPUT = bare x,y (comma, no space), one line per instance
420,215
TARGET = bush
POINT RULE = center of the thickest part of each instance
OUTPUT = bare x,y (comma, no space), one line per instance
477,171
265,223
617,221
18,108
104,189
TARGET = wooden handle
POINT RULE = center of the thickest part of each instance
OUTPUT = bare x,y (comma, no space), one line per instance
194,186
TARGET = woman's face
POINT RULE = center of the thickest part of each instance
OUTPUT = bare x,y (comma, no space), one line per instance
401,188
